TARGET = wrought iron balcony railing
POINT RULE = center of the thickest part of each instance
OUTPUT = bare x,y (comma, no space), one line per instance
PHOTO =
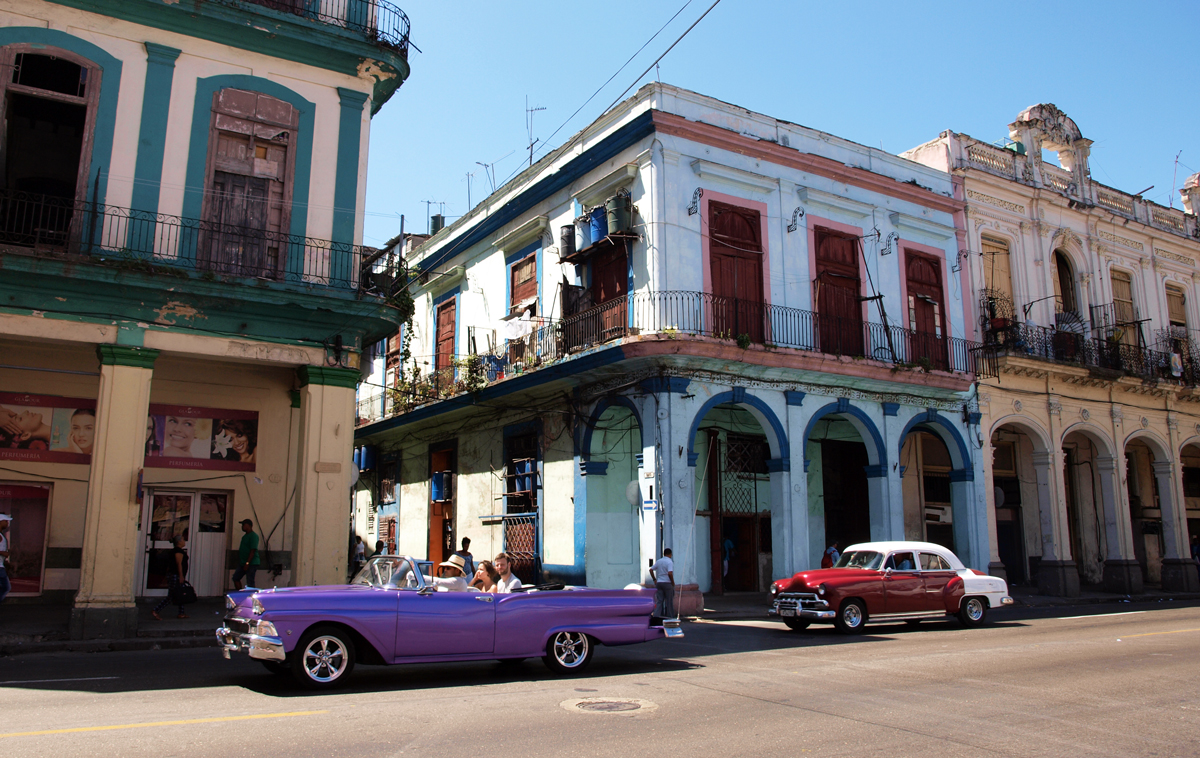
52,226
1068,347
378,21
683,314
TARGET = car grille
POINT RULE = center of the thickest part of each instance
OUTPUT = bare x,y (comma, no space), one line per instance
795,601
236,624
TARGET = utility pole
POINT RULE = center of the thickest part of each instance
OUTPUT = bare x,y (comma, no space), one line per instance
469,175
529,125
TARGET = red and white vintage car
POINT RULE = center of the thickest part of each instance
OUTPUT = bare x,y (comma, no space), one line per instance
887,582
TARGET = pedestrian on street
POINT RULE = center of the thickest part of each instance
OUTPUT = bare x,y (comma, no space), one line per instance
1195,552
360,553
378,547
177,568
248,560
663,574
465,553
5,584
832,556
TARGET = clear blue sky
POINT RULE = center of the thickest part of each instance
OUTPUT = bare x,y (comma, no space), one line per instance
891,74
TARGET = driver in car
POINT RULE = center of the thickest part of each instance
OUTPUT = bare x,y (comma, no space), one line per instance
451,575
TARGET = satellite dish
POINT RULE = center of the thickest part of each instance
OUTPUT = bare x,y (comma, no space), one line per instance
353,475
633,493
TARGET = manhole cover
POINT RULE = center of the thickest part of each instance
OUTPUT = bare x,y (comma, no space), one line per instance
609,706
625,706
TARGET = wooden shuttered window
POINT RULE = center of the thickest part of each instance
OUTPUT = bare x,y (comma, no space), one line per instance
1176,307
735,259
836,292
997,267
1124,312
523,286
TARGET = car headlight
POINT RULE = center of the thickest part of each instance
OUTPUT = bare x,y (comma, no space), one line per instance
265,629
229,604
821,589
258,607
774,589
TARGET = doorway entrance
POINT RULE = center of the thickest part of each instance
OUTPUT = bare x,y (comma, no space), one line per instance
203,519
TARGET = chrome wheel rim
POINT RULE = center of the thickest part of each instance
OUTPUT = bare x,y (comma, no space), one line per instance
974,609
852,616
325,659
570,649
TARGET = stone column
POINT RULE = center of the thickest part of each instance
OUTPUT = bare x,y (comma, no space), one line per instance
1178,569
320,537
104,606
1122,573
887,518
1057,573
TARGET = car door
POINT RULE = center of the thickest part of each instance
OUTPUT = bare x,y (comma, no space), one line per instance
903,587
445,623
936,573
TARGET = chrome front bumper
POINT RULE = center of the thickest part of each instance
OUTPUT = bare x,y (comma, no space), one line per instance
1006,600
672,629
258,647
803,606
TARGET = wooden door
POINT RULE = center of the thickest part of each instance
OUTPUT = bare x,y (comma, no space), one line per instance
610,283
736,271
444,338
926,312
839,305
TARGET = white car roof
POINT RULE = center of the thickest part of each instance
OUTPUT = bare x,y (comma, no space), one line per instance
928,547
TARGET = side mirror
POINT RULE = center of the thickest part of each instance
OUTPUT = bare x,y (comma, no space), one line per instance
426,590
887,571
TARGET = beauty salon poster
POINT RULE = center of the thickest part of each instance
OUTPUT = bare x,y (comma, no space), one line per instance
211,439
45,428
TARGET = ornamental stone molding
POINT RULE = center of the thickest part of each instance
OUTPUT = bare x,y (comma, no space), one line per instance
1117,414
1018,406
1160,253
1085,414
1172,421
1145,423
995,201
1116,239
1054,406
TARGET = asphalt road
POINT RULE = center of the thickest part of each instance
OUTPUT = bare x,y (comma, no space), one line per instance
1105,681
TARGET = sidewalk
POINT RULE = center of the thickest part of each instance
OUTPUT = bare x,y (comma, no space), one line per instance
753,605
28,628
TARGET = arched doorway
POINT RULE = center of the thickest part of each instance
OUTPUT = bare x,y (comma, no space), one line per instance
733,513
614,442
846,469
1190,460
926,467
1020,488
1085,457
1145,509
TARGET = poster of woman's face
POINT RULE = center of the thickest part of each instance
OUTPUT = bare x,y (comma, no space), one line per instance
201,438
47,428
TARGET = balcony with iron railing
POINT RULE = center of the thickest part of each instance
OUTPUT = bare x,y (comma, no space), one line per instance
52,227
1111,358
686,315
376,21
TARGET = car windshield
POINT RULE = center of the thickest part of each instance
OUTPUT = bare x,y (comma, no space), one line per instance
388,571
860,559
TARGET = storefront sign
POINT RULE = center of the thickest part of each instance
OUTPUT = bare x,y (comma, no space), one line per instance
183,436
44,428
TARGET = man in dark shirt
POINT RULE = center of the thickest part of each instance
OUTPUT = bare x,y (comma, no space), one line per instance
248,560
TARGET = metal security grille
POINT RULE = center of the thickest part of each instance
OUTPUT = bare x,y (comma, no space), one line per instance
521,544
745,464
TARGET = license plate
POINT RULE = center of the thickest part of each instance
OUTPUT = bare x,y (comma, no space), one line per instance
786,612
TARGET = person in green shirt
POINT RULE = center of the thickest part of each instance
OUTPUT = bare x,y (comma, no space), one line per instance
248,560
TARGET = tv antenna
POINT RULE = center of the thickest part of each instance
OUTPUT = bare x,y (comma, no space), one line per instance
529,125
441,209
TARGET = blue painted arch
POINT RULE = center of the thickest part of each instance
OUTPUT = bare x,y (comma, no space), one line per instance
947,432
613,401
739,396
861,421
105,123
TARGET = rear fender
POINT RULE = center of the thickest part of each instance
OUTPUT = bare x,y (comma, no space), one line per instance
606,634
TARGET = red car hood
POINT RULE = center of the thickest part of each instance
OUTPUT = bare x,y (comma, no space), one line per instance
806,580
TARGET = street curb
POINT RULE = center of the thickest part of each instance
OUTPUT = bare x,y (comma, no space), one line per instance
1048,602
108,646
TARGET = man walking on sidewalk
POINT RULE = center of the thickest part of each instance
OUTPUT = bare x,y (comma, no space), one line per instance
663,574
248,561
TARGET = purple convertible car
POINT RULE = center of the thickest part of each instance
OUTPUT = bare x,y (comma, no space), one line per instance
391,614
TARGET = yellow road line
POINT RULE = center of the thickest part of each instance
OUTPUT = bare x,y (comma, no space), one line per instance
163,723
1149,634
